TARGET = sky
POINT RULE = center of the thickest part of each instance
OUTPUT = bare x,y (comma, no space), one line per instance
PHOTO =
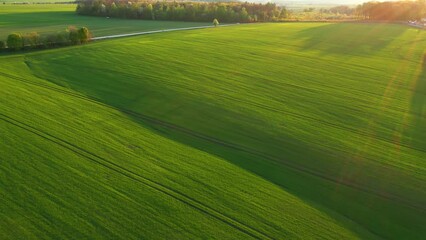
329,1
336,2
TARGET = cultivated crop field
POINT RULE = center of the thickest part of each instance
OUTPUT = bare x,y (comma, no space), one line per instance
267,131
51,18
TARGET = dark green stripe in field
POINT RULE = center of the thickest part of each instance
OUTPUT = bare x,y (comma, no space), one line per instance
270,131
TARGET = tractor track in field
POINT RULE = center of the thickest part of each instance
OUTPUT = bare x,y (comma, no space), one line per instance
175,194
273,159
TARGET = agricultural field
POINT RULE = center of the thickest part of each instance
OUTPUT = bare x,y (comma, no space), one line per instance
265,131
51,18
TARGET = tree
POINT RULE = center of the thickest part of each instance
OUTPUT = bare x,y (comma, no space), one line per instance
83,35
2,45
103,9
244,16
14,41
73,35
113,10
284,13
215,22
31,39
49,40
150,12
61,38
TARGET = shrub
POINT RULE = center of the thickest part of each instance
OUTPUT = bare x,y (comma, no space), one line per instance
14,41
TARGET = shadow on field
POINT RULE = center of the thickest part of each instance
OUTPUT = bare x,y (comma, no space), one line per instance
418,108
292,164
237,137
365,39
282,160
297,167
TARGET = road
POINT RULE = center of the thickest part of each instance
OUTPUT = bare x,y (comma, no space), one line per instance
155,31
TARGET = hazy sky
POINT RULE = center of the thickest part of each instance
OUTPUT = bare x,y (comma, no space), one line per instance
326,1
329,1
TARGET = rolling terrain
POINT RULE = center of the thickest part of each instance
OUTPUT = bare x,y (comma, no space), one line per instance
268,131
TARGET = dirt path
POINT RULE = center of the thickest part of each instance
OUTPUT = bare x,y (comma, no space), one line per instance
155,31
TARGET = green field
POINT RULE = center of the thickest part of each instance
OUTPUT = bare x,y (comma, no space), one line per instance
48,18
269,131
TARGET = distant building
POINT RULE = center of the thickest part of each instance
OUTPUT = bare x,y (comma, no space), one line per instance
418,24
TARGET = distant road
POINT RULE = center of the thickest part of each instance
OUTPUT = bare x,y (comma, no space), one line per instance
157,31
416,25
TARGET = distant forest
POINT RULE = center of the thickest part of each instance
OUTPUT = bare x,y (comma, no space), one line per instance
374,11
248,12
393,11
183,11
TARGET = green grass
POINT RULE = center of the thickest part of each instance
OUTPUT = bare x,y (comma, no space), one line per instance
51,18
276,131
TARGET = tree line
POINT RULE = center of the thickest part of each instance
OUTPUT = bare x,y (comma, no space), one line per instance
33,40
342,9
183,11
393,11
